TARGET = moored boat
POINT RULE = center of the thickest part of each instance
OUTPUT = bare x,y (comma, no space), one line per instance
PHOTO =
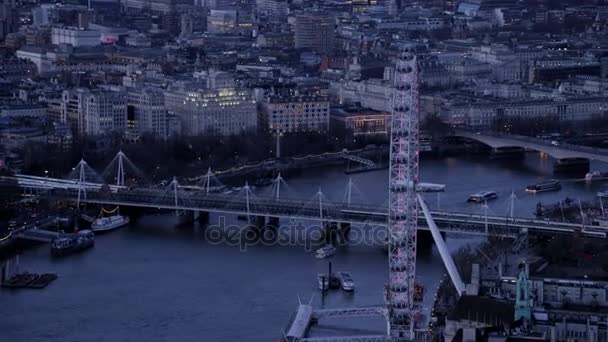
483,196
594,175
346,281
83,240
325,251
549,185
430,187
109,223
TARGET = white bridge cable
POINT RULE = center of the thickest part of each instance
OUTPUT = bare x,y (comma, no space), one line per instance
173,193
352,192
318,205
246,201
235,200
279,189
90,175
210,183
122,164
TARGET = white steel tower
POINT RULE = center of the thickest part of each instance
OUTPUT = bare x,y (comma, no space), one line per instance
403,203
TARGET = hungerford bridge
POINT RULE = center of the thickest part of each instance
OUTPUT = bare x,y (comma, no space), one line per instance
267,211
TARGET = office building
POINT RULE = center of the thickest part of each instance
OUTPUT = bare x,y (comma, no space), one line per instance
315,31
296,113
272,8
75,37
105,113
146,112
215,112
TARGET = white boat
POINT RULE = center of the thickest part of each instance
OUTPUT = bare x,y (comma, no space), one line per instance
596,175
430,187
322,281
483,196
549,185
325,251
600,222
109,223
602,194
346,281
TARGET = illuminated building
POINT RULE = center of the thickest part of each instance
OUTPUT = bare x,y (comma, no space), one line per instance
296,113
223,111
361,121
221,21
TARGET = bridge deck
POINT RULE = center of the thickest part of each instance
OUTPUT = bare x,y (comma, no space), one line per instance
558,152
301,322
330,212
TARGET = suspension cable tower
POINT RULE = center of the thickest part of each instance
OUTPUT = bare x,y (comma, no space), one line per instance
120,173
82,188
403,203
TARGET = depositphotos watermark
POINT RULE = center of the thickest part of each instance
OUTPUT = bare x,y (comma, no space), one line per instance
293,233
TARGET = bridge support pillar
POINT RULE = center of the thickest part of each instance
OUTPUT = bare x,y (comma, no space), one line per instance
514,152
344,231
201,216
424,240
273,223
270,230
186,217
330,232
6,271
571,165
134,213
257,222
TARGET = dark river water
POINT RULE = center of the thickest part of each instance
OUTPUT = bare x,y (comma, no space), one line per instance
154,282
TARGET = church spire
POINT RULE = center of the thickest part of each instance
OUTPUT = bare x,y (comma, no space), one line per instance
523,304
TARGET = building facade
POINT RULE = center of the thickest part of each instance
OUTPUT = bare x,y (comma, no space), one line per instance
105,112
222,21
362,122
146,112
483,115
296,113
272,8
315,31
75,37
217,112
375,94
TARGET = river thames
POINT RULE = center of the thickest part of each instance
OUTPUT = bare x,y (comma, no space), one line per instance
154,282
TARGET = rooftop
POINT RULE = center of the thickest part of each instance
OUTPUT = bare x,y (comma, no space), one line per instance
483,309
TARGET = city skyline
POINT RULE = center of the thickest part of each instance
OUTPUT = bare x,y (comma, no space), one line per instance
445,158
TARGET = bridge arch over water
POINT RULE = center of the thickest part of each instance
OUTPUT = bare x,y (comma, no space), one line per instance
567,157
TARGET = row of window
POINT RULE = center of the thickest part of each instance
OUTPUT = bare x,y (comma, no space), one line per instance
306,111
302,105
274,116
